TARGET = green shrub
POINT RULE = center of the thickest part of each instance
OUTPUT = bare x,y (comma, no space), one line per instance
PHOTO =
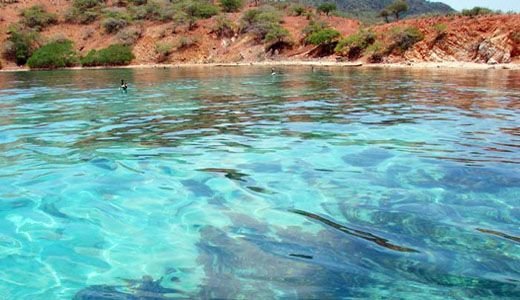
404,38
396,8
57,38
440,28
54,55
276,34
87,4
139,2
314,26
186,42
113,25
260,22
76,16
20,44
149,11
223,27
476,11
355,44
167,13
179,18
114,55
129,36
84,11
231,5
37,18
117,13
375,52
309,15
199,10
163,50
440,31
327,8
385,14
298,10
322,37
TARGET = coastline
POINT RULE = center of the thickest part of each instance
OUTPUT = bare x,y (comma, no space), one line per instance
459,65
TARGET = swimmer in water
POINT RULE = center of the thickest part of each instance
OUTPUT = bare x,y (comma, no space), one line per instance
273,72
124,86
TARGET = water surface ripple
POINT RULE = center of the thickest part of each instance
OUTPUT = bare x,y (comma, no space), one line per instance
232,183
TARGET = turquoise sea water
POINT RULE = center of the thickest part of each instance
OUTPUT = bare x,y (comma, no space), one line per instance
232,183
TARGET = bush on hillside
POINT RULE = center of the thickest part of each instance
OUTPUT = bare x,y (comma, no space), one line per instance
319,32
277,34
163,50
298,10
476,11
186,42
231,5
113,25
54,55
129,36
397,8
149,11
261,21
138,2
325,36
87,4
84,11
81,17
327,8
179,18
385,14
114,55
223,27
117,13
404,38
20,44
375,52
313,27
199,10
87,33
353,45
440,31
37,18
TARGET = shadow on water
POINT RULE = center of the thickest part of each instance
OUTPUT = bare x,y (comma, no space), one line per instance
354,232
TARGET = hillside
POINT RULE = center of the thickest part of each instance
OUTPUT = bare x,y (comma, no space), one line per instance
417,7
253,34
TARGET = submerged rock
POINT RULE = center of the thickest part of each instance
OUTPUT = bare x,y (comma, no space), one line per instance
367,158
104,163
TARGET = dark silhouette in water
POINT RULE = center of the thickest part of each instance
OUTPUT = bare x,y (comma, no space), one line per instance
500,234
146,288
361,234
124,86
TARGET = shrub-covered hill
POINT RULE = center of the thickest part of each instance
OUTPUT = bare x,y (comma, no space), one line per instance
57,33
417,7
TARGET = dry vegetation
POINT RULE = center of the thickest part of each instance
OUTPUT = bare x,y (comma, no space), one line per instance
200,31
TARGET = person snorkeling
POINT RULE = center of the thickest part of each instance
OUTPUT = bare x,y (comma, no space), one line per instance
123,86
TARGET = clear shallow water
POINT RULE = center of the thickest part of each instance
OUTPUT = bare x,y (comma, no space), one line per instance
237,184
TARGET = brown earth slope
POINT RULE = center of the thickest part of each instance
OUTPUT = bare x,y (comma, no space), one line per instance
480,39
